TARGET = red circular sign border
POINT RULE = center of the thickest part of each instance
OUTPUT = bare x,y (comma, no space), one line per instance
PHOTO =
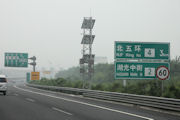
163,67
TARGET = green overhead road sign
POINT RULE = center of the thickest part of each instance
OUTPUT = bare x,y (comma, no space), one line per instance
16,60
142,50
141,70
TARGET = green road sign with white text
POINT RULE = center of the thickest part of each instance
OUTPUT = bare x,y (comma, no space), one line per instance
16,60
141,70
142,50
28,77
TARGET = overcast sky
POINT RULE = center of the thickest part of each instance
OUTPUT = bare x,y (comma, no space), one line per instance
51,29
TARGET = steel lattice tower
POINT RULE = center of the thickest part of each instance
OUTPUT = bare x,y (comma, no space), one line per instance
87,60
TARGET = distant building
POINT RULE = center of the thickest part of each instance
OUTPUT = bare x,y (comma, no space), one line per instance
100,60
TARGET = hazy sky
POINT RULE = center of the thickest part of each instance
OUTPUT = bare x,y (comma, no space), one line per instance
51,29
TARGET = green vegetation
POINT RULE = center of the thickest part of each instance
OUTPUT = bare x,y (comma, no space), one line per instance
104,80
61,82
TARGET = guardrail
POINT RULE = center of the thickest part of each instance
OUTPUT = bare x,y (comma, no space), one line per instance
141,100
59,89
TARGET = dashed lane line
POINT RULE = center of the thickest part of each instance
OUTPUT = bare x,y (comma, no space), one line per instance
88,104
59,110
29,99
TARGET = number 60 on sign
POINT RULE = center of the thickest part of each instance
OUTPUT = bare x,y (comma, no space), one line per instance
162,73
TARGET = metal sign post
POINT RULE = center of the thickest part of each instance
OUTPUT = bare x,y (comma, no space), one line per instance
124,83
162,87
33,63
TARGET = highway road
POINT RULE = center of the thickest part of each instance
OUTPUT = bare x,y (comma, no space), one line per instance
26,103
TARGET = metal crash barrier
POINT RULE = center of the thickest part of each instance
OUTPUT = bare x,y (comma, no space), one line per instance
141,100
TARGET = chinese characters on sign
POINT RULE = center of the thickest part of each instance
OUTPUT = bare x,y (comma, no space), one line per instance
16,60
137,70
35,76
154,59
133,50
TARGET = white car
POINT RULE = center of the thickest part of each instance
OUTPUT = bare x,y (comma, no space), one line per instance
3,84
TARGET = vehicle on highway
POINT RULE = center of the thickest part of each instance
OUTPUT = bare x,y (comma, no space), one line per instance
3,84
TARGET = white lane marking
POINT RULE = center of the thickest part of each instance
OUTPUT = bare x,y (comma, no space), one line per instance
15,94
57,109
92,105
29,99
72,95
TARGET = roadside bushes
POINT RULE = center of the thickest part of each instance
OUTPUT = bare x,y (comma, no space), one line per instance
61,82
139,87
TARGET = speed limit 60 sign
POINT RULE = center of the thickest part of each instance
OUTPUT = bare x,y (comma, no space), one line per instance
141,70
162,73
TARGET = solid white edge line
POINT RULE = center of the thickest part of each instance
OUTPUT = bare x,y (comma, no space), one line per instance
59,110
92,105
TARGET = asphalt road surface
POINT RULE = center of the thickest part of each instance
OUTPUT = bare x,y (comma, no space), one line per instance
26,103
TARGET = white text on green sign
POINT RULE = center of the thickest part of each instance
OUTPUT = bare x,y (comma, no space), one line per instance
16,60
142,50
134,70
